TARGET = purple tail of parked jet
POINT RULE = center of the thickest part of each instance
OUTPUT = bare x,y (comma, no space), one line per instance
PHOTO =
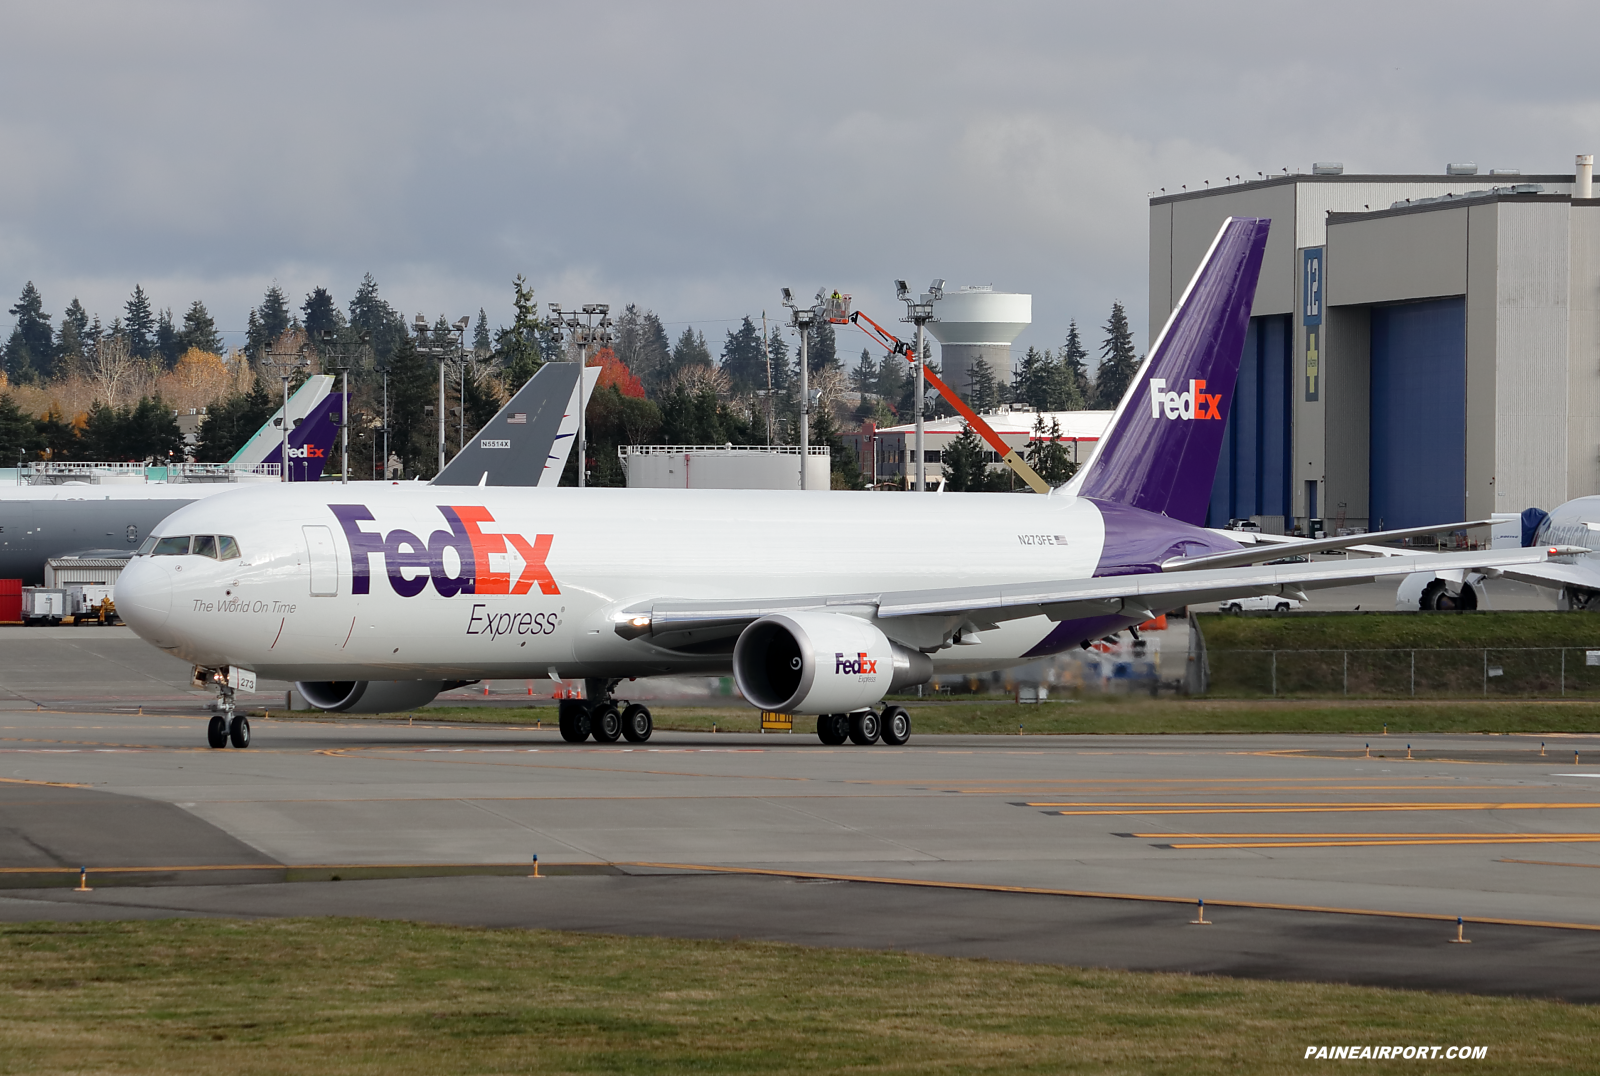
311,442
1160,452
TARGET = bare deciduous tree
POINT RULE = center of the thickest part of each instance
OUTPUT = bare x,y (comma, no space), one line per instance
110,366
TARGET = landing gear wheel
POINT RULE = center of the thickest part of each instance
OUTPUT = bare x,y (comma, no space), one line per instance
217,731
605,723
865,727
896,726
239,731
574,720
637,724
833,729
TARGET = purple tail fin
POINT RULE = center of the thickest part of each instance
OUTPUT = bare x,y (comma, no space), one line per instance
1160,452
311,442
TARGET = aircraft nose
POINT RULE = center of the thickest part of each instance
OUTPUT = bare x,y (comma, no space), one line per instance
144,596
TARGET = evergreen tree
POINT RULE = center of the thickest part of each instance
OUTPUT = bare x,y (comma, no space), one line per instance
1032,383
982,394
643,347
30,351
864,378
743,359
385,328
1047,455
1074,362
72,336
1117,361
613,420
520,349
199,330
274,316
965,463
150,432
321,314
254,345
821,349
141,324
166,343
893,374
57,436
19,437
690,350
482,343
413,394
232,421
778,356
844,470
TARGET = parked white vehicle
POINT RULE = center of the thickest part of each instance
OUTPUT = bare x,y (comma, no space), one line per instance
1274,602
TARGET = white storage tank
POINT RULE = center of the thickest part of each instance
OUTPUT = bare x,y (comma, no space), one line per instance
978,324
723,466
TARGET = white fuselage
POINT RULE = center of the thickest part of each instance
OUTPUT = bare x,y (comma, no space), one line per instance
287,607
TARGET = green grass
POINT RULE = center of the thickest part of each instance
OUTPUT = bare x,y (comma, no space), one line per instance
1127,715
361,996
1400,631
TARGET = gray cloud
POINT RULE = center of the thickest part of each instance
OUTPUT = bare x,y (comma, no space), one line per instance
695,157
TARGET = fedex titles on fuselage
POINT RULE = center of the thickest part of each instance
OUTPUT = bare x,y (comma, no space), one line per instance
404,553
1194,404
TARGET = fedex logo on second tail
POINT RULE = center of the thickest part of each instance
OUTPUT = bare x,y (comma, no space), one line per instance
1194,404
412,563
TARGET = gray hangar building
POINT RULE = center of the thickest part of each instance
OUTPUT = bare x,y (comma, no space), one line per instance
1423,349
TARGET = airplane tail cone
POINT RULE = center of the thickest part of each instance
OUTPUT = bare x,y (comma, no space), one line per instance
1160,453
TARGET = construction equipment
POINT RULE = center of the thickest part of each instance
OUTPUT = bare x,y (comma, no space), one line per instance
837,309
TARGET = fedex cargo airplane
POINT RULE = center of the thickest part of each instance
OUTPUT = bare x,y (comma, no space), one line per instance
376,598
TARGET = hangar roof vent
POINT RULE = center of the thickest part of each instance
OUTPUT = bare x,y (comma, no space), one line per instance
1328,168
1461,168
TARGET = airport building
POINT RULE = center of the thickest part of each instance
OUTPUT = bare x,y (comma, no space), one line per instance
1423,349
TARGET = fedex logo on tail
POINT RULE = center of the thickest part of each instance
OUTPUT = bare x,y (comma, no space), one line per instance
306,452
860,665
411,563
1194,404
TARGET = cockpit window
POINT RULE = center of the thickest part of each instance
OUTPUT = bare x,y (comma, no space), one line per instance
171,547
205,545
146,547
227,548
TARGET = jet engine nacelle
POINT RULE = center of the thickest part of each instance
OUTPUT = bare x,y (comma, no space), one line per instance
822,663
371,696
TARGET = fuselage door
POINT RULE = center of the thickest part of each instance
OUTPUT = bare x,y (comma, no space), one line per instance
324,561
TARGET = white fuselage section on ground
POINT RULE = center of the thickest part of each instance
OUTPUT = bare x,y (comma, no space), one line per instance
287,606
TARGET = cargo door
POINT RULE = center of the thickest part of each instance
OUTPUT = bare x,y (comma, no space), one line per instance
322,557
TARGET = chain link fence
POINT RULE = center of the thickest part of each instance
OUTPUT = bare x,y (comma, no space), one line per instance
1516,672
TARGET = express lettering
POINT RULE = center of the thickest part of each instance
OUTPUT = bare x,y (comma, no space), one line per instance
856,666
1184,406
455,558
494,625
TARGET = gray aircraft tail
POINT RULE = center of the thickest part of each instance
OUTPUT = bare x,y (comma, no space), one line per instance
528,440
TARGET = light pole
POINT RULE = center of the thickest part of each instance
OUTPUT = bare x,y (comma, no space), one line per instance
919,311
439,349
341,350
586,333
290,361
802,318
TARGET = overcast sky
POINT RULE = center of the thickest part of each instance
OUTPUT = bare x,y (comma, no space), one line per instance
693,157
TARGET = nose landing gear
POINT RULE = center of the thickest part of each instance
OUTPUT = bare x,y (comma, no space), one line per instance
225,725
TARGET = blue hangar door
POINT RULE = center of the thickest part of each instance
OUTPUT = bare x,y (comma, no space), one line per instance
1419,414
1254,469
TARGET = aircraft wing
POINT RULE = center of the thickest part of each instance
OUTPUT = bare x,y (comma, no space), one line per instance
1555,575
1140,595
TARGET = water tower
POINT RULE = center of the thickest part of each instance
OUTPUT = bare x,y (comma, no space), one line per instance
978,324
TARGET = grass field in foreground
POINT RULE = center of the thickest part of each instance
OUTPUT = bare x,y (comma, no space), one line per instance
1123,714
364,996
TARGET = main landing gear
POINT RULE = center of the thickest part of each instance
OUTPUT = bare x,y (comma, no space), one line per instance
226,726
892,726
598,715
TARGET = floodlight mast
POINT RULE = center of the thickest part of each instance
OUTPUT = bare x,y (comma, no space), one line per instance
584,334
802,318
